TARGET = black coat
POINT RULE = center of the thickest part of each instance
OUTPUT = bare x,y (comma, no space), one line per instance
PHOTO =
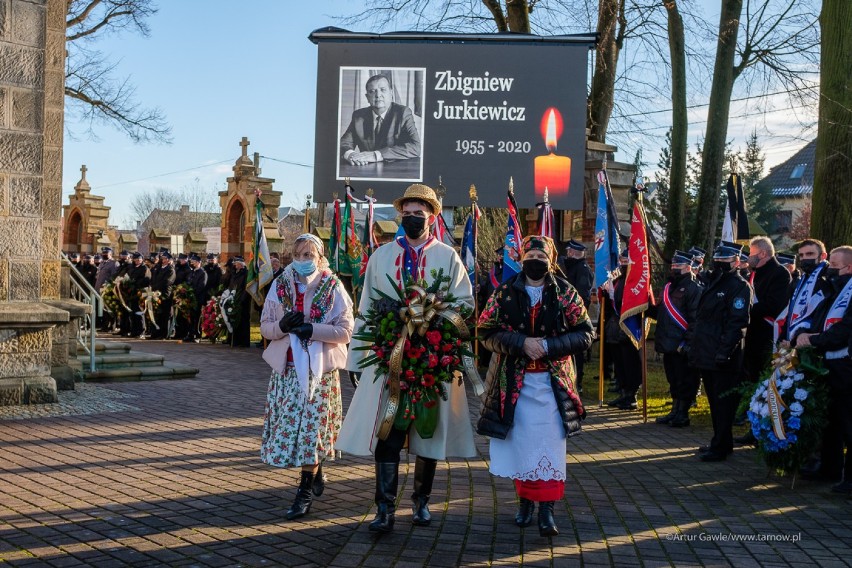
140,277
564,323
181,273
238,285
163,281
720,324
579,275
197,280
835,338
214,278
770,283
89,272
684,293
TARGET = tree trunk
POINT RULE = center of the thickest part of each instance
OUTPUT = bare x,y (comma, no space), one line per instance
518,15
709,187
677,172
831,218
603,81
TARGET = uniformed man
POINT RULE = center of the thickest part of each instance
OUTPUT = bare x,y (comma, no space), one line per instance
242,304
88,269
675,312
831,335
163,281
716,348
214,275
107,271
74,259
197,280
580,276
702,275
140,278
181,274
627,360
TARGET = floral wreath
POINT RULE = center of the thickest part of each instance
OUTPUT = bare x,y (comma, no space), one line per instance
212,321
786,410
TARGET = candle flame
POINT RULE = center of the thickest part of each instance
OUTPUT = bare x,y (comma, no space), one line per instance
550,138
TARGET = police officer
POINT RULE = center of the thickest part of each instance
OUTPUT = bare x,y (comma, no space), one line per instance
702,275
579,275
107,270
242,304
716,348
163,282
627,361
675,313
181,274
197,280
831,335
140,278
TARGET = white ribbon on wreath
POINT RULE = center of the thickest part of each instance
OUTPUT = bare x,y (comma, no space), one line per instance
149,297
224,302
117,287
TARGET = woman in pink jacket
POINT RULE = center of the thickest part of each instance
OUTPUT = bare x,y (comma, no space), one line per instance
308,319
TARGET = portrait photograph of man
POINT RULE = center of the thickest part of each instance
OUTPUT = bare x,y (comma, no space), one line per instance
381,123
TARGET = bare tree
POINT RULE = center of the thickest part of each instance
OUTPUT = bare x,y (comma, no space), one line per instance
178,212
778,48
677,168
832,209
93,91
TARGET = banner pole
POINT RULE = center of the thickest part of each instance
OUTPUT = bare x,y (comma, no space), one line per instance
473,198
601,348
644,369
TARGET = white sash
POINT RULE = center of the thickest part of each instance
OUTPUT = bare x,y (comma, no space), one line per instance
835,314
804,301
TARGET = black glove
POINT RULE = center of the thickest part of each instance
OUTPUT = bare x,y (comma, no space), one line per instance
291,320
304,331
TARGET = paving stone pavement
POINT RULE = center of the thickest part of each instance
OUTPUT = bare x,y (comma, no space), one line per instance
167,473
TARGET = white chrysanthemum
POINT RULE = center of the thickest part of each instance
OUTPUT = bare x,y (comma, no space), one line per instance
800,394
796,409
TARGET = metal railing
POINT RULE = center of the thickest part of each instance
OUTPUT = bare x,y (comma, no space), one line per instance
83,292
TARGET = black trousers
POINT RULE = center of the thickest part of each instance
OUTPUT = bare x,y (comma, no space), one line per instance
162,316
683,380
723,405
242,331
758,351
631,363
387,451
194,317
838,431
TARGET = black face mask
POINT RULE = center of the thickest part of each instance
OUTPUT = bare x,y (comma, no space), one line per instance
808,265
722,267
832,273
414,226
535,269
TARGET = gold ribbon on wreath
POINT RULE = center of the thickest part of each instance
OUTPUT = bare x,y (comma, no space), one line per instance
117,288
416,317
148,298
782,362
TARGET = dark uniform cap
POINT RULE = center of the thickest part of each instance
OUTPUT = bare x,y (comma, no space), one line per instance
680,257
136,254
211,255
182,256
743,256
239,259
106,249
697,252
152,256
195,258
87,257
163,249
574,245
786,258
124,253
166,254
725,249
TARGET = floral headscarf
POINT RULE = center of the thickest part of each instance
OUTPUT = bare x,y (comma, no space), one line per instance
322,263
544,244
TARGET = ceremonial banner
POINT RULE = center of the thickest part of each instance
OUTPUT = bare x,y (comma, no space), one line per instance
606,233
468,246
546,222
512,243
735,223
335,240
259,268
637,286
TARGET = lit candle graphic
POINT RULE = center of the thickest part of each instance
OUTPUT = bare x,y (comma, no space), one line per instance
551,171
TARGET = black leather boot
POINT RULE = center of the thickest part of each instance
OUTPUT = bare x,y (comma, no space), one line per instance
546,522
424,475
628,402
302,504
670,416
387,478
619,400
319,482
681,418
524,516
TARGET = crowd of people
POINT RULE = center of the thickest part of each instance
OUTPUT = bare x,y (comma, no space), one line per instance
717,325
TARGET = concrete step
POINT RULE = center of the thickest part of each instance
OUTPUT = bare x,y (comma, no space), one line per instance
134,374
109,360
107,347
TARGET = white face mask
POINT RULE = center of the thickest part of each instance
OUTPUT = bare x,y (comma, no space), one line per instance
304,267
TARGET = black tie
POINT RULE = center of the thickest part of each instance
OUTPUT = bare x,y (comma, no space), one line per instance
378,126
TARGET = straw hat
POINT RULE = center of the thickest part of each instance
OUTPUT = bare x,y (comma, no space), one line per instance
420,192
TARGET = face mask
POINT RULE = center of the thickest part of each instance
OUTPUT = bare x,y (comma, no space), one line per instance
807,265
753,261
722,266
305,267
535,269
831,273
104,257
414,226
674,273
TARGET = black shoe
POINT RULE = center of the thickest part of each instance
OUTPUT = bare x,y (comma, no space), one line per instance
302,503
681,417
667,419
706,449
713,456
628,403
319,482
746,439
424,475
546,522
617,401
387,478
843,488
524,516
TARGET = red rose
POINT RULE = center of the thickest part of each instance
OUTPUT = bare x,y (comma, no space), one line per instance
448,347
428,380
430,403
433,360
433,337
446,360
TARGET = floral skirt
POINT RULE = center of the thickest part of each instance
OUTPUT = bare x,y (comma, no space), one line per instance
297,429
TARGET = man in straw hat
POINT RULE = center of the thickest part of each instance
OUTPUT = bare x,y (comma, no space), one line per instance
416,255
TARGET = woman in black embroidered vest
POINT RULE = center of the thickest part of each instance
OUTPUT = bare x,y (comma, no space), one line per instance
533,324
